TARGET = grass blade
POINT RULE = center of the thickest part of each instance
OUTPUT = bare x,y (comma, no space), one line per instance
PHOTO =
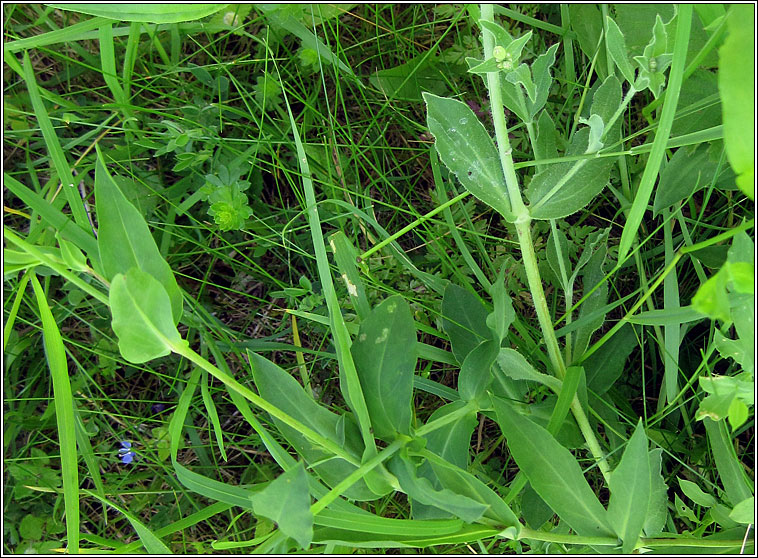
152,544
641,199
64,414
54,148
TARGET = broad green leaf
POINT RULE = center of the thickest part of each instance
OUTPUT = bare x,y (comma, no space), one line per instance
468,151
587,22
605,103
475,375
688,171
715,406
617,49
657,510
464,319
630,491
545,146
72,256
606,365
553,473
421,489
738,414
282,390
142,316
593,273
636,22
730,470
513,364
711,298
744,512
737,88
145,13
385,359
345,255
694,493
683,510
534,509
124,240
409,80
654,61
287,501
502,37
565,188
452,442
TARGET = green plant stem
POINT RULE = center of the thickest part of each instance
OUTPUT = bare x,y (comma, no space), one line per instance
447,419
523,229
527,533
183,350
59,268
359,473
412,225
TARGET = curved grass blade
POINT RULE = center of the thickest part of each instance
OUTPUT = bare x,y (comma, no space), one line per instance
145,13
641,199
152,544
53,146
64,415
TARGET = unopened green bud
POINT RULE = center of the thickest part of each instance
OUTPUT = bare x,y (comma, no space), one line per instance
498,53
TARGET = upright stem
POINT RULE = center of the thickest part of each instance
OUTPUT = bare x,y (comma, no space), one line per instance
523,230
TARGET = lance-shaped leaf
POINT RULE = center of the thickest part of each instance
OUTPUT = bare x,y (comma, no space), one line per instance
617,49
553,472
421,489
464,319
462,482
475,375
124,241
468,151
630,491
282,390
657,509
385,359
142,317
542,80
593,256
565,188
452,442
514,365
503,314
452,445
287,501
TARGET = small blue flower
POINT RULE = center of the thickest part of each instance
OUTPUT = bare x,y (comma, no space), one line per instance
125,453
